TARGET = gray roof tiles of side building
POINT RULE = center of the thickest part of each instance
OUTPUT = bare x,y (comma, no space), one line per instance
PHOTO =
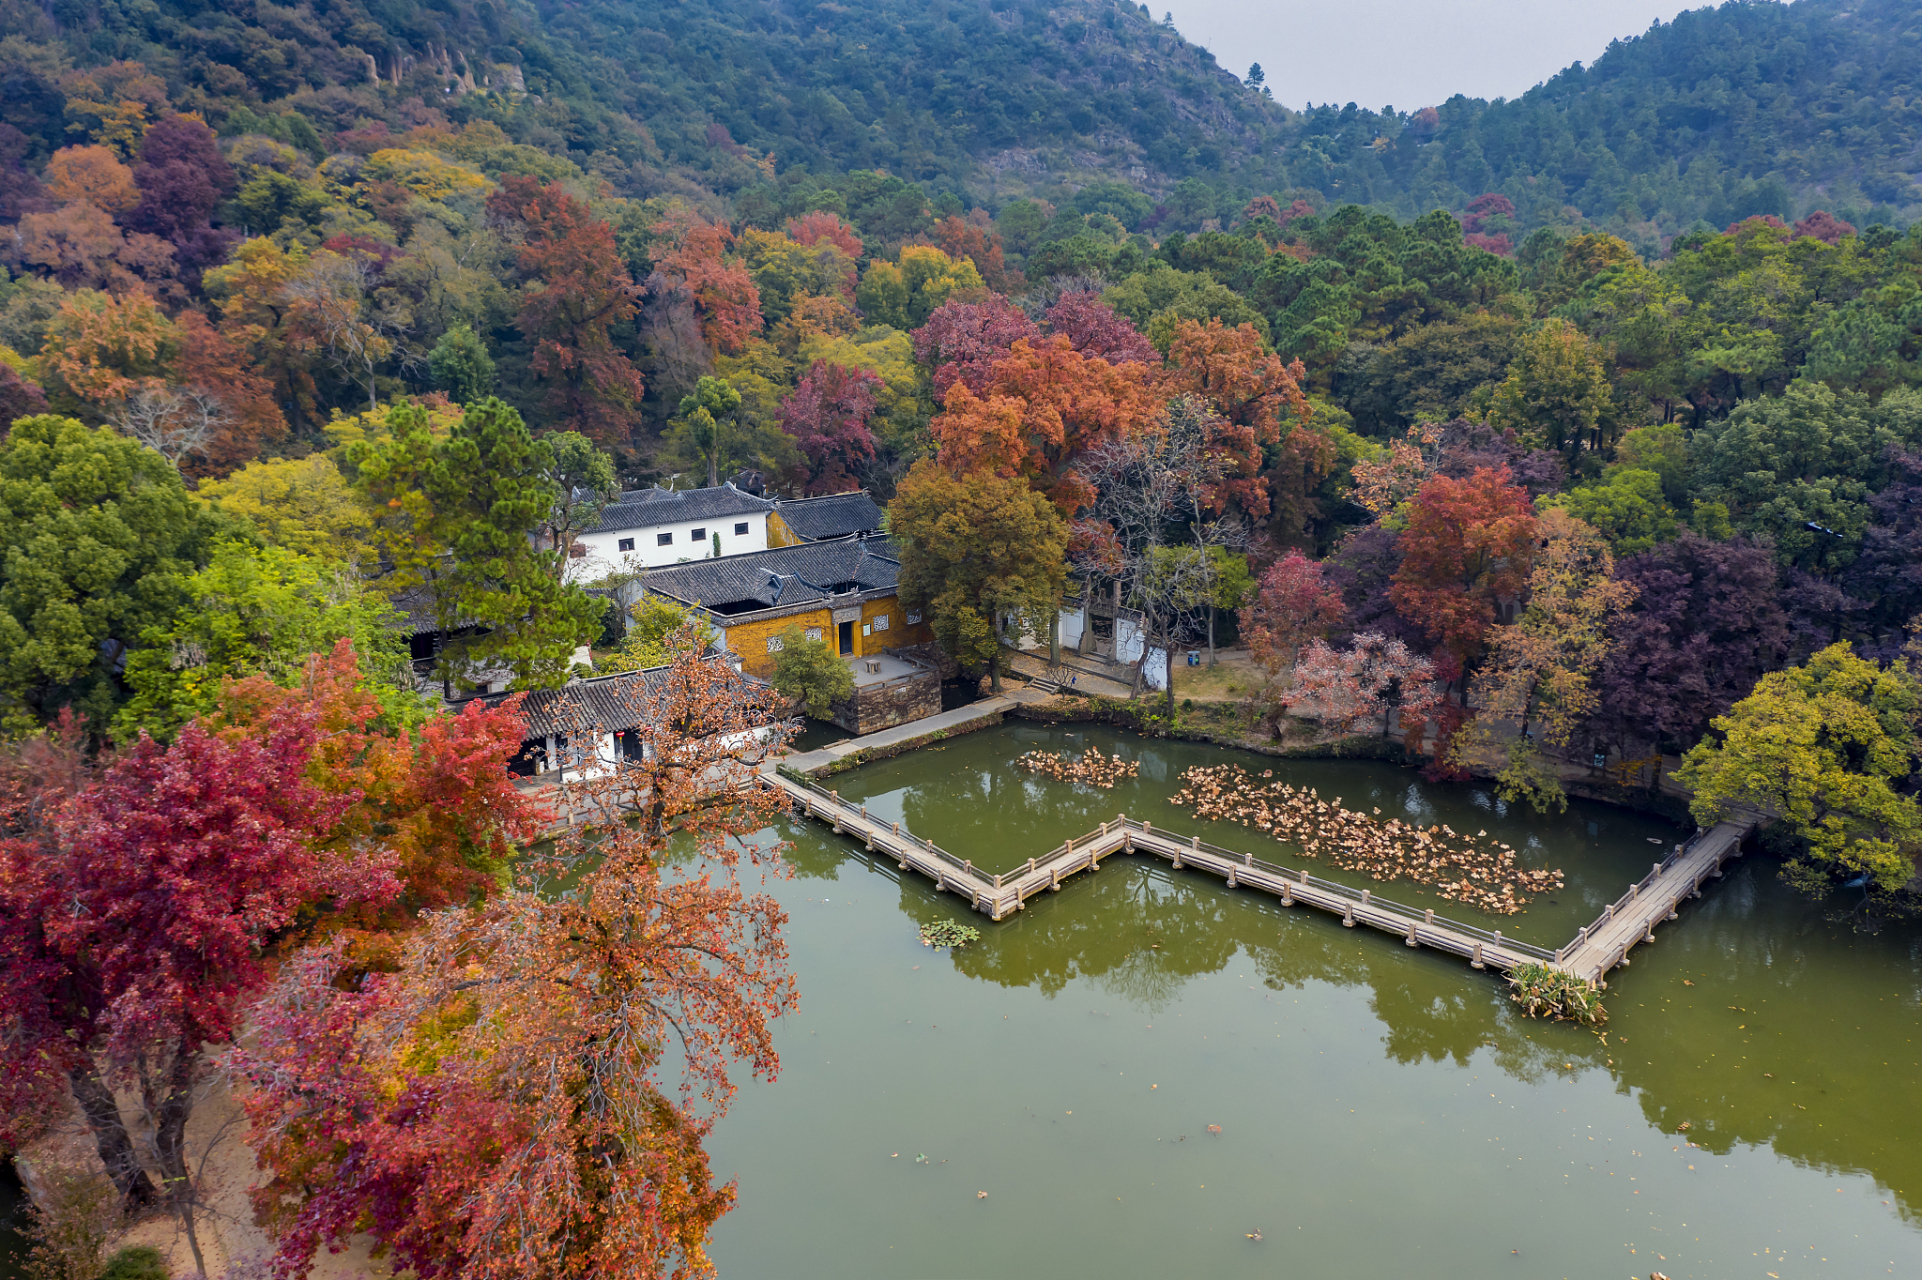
652,508
802,574
611,704
833,515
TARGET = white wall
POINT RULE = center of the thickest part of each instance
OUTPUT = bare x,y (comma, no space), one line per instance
1128,646
604,553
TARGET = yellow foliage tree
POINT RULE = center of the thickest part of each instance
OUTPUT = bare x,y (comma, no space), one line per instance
903,295
302,504
425,174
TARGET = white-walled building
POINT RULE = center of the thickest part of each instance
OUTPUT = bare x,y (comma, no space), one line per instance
655,527
652,528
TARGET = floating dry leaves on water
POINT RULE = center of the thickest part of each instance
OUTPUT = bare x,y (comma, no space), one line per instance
1478,870
1092,767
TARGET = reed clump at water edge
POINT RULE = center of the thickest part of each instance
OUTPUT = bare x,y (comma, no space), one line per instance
1545,992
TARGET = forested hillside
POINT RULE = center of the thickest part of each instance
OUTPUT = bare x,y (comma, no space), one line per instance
1753,108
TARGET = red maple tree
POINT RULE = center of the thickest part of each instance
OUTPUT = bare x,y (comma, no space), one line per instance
438,797
1293,603
962,341
495,1106
1096,329
975,238
827,413
142,913
1046,405
723,293
1261,403
816,225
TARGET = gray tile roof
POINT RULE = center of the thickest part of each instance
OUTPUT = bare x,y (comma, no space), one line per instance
648,508
611,704
797,575
833,515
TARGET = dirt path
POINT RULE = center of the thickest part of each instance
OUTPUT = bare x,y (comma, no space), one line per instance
234,1247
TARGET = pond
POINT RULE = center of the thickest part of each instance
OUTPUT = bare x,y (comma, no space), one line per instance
1380,1110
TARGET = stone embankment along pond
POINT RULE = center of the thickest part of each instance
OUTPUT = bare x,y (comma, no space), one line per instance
1594,950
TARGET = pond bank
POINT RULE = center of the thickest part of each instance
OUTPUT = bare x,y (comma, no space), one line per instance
1665,801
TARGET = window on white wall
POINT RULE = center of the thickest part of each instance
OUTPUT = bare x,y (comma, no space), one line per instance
625,544
663,539
740,529
699,535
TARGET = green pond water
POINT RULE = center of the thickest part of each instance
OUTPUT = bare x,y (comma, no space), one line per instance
1383,1111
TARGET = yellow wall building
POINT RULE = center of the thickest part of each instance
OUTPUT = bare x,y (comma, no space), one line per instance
844,591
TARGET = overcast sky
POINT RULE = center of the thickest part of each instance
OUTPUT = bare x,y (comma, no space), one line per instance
1408,53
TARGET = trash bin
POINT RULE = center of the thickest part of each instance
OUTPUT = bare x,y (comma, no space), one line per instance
1194,657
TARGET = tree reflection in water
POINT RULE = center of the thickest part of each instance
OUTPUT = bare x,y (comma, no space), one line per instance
1797,1034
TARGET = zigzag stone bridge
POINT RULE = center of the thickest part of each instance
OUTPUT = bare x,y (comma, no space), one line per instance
1595,949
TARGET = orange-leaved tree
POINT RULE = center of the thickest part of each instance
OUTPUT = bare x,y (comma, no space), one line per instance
94,175
1047,404
1467,549
724,294
1262,409
816,225
975,239
437,795
258,315
178,386
577,289
498,1105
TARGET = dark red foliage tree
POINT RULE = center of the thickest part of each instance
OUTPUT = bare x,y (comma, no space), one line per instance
1824,226
1363,567
135,924
1293,604
1466,447
19,398
19,189
1296,209
1096,330
962,341
828,414
182,178
498,1103
1888,570
1706,624
578,288
1482,208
